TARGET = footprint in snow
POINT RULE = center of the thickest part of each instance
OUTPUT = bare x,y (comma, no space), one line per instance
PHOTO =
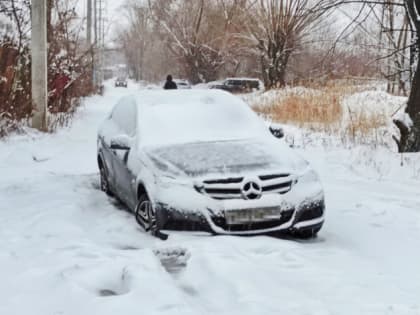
119,287
104,281
174,260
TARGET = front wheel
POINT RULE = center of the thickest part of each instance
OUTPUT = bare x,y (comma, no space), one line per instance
145,214
104,181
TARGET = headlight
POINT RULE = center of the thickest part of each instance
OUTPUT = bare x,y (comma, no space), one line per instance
301,165
167,181
309,176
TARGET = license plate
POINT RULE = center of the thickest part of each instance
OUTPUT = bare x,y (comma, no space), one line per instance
252,215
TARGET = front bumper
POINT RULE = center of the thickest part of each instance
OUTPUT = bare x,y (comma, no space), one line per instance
308,215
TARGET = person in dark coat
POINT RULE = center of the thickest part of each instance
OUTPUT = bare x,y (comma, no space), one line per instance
170,84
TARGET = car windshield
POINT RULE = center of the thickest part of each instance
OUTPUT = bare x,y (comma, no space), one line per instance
234,82
199,121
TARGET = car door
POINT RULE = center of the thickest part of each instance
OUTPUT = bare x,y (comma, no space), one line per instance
125,117
105,151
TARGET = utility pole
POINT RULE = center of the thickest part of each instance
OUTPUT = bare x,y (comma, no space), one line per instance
89,40
100,16
89,23
95,19
95,42
100,43
39,64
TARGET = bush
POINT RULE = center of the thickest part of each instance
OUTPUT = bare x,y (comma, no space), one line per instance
332,110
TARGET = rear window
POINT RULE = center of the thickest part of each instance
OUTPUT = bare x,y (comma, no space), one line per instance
234,82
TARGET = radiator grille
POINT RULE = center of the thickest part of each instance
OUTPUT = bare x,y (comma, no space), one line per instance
234,187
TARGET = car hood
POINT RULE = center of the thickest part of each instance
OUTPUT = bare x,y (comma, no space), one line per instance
225,157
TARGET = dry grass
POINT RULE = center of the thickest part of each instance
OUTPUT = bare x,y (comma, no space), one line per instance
366,127
322,110
316,111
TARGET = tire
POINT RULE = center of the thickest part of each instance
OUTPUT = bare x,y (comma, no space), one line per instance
104,182
145,214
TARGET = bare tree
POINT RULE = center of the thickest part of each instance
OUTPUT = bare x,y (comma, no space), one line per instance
198,33
138,39
15,83
276,29
408,124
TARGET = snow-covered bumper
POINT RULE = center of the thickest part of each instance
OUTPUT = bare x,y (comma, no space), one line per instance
180,207
309,217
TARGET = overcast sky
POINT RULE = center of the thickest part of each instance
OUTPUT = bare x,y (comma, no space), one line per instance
116,18
113,13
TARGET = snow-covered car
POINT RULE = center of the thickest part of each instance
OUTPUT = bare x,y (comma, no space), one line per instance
204,160
182,84
239,85
121,81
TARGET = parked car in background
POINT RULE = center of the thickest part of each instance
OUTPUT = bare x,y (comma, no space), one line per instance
204,160
239,85
182,84
121,81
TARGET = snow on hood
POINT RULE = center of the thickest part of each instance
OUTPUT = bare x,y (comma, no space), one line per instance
226,157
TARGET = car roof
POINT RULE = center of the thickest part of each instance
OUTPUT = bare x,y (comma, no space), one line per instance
243,79
161,110
183,97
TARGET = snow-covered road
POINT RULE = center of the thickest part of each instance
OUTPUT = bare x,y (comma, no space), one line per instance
66,248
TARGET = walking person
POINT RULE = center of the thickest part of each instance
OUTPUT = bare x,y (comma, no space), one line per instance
170,84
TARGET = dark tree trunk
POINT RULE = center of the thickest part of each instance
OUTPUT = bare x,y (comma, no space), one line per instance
410,135
274,60
409,140
413,104
276,77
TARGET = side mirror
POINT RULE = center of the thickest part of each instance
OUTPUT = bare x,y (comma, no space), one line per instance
277,130
121,142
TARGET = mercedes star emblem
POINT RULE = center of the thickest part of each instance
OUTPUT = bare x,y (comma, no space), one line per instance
251,190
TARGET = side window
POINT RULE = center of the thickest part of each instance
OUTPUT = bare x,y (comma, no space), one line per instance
124,116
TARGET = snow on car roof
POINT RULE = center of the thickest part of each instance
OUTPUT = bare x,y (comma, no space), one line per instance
180,116
243,79
183,97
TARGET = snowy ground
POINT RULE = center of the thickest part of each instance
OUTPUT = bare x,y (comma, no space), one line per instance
66,248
